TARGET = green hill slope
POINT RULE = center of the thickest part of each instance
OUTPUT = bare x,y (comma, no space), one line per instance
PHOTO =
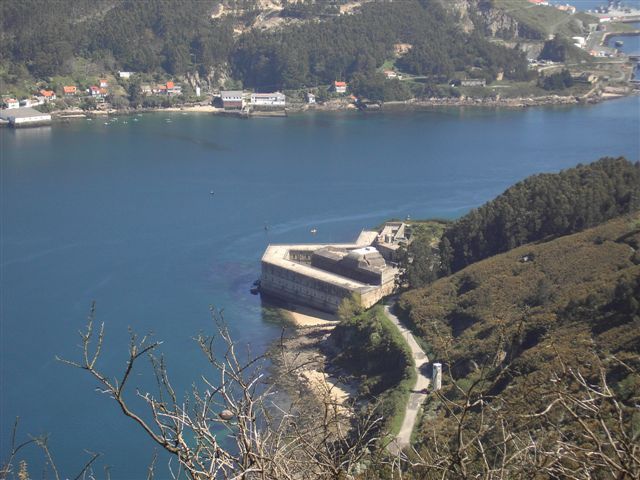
505,326
543,206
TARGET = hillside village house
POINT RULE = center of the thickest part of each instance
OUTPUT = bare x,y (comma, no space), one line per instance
69,90
97,92
47,95
340,87
311,98
104,83
232,99
275,99
11,103
173,89
146,89
125,75
390,74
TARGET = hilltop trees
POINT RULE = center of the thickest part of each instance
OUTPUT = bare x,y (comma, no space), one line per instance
544,206
157,37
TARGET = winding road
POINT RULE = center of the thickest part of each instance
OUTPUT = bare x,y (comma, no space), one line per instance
416,398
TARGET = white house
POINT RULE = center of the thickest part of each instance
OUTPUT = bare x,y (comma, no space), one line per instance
125,75
340,87
311,98
11,103
275,99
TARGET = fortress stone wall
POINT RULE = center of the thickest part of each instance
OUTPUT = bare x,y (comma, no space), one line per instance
322,275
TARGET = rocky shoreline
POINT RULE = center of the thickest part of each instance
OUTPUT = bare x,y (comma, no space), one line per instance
342,105
302,365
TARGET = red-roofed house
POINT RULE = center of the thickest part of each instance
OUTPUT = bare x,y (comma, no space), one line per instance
160,89
104,83
340,87
48,95
95,91
70,90
173,89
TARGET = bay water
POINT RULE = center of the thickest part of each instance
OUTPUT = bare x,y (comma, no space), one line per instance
160,216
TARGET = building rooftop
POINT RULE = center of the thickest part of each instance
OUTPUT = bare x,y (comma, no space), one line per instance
22,112
277,255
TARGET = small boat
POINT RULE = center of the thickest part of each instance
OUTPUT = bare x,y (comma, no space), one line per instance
212,192
255,290
314,231
619,43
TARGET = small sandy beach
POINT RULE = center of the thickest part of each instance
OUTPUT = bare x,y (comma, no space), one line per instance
305,351
303,317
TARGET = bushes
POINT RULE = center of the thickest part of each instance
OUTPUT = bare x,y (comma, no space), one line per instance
556,81
372,348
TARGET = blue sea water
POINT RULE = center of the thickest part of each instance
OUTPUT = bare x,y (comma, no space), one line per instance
122,214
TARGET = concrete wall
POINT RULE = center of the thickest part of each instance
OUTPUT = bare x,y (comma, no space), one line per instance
303,256
375,294
291,286
294,287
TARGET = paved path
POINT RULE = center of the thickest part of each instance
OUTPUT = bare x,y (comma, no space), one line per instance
416,398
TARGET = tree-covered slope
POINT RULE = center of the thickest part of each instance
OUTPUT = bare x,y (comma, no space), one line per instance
320,52
507,327
176,38
543,206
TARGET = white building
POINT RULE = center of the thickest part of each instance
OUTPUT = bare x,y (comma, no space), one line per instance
311,98
232,99
11,103
436,376
125,75
340,87
579,41
197,91
275,99
25,117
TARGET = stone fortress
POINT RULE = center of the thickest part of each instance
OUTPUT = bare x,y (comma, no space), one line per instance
322,275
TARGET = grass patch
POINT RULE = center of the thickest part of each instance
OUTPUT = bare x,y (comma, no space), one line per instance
373,349
540,19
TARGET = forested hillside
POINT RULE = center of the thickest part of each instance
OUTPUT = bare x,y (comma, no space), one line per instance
129,35
508,327
543,206
177,38
324,51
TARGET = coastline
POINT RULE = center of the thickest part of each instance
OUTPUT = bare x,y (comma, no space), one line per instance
302,363
343,106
